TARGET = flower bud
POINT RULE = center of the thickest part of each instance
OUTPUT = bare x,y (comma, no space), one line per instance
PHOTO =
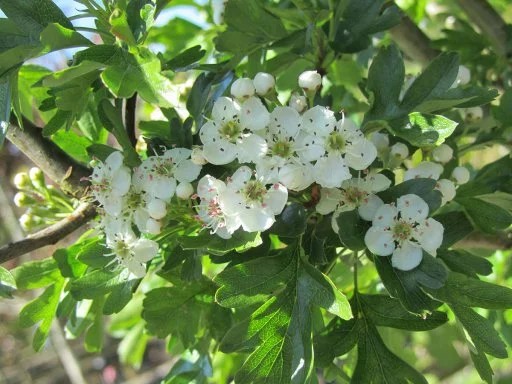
399,151
184,190
463,76
310,81
218,8
461,175
21,199
264,83
26,221
22,181
472,115
380,140
37,177
443,153
197,156
447,189
157,209
299,103
153,227
242,88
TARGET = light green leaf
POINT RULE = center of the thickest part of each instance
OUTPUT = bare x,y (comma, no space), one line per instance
36,274
425,130
133,345
97,283
7,283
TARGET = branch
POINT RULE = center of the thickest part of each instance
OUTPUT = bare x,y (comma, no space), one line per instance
50,235
129,118
413,42
490,23
486,241
52,160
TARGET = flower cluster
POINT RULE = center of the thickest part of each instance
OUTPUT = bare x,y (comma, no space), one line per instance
276,151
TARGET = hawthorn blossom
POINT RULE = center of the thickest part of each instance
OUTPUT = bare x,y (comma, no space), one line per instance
335,146
250,201
425,169
310,81
158,175
404,231
132,252
443,153
282,164
229,135
110,182
264,83
461,175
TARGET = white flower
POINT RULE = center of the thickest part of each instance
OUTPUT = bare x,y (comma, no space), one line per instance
425,169
334,146
354,194
208,210
218,8
461,175
310,81
282,165
297,102
229,136
381,142
463,76
251,202
184,190
443,153
242,88
264,83
110,182
399,151
447,189
132,252
158,175
404,231
473,114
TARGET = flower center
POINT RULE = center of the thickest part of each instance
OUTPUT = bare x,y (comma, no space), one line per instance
164,167
335,142
254,191
230,131
402,231
355,196
282,148
122,249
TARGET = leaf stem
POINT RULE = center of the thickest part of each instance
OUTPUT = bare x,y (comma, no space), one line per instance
356,260
129,117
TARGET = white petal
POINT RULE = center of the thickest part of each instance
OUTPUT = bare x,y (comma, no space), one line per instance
310,147
153,226
114,161
113,205
447,189
347,125
385,216
223,233
241,176
220,152
162,187
177,154
318,119
378,182
121,181
186,171
331,171
145,249
379,241
135,267
251,148
412,207
209,132
429,234
232,223
225,109
425,169
157,208
267,169
284,122
369,207
407,257
360,154
140,218
276,198
256,219
296,177
230,202
381,141
254,116
209,187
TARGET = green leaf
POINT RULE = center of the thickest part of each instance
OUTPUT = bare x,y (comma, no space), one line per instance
408,286
67,262
100,151
74,145
95,255
279,332
193,367
5,106
486,216
423,188
240,240
352,230
465,291
97,283
291,222
120,28
131,349
482,365
456,227
36,274
481,331
185,60
42,310
7,283
468,96
466,263
119,297
425,130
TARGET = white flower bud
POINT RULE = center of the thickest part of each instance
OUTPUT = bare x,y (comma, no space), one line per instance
310,81
399,151
461,175
380,140
443,153
26,221
22,181
37,177
218,8
21,199
472,115
184,190
299,103
153,227
242,88
157,209
197,156
447,189
264,83
463,76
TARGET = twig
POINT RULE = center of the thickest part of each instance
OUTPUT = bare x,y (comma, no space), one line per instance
66,356
490,23
50,235
486,241
413,42
53,161
129,118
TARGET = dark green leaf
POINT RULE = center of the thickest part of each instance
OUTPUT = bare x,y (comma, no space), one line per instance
466,263
95,255
185,60
352,230
239,241
119,297
456,227
97,283
291,222
5,106
486,216
423,188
